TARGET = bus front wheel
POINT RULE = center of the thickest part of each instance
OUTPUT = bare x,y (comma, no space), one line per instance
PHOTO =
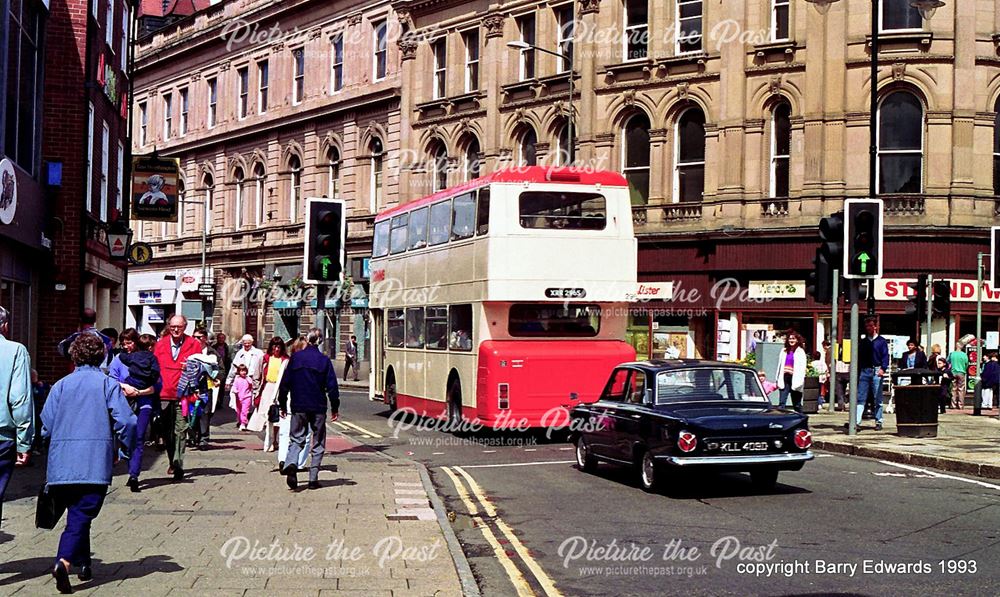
455,405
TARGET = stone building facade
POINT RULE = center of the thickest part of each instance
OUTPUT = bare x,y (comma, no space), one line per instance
265,104
738,124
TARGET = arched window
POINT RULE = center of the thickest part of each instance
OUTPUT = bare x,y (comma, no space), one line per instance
471,165
996,149
238,219
377,157
689,179
635,158
208,181
294,187
562,145
781,148
526,155
900,144
439,166
258,183
333,173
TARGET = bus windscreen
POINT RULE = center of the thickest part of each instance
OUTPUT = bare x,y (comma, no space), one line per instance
558,210
554,320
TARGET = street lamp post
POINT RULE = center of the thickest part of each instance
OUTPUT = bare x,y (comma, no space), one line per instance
571,118
927,9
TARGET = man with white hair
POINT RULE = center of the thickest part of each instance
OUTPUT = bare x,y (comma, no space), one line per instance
17,410
253,358
172,352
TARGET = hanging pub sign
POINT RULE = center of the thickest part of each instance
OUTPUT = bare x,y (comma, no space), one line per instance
154,188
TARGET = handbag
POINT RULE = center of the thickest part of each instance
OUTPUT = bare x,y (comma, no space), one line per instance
273,414
48,510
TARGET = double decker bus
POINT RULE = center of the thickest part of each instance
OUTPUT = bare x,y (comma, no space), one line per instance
502,302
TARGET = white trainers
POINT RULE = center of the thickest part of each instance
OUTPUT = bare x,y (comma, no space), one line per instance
243,427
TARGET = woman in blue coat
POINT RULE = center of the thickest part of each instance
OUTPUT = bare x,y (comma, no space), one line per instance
82,450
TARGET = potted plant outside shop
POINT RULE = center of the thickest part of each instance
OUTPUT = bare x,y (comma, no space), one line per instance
810,391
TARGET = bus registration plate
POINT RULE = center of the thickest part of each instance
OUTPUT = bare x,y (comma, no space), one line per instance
565,293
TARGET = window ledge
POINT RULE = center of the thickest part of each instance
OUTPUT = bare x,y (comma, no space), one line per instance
786,47
904,38
520,86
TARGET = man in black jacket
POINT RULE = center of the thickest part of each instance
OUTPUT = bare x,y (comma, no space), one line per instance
310,379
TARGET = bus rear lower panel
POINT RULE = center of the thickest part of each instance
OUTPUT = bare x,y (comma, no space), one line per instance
531,384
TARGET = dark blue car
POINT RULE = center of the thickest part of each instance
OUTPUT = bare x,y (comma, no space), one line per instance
689,415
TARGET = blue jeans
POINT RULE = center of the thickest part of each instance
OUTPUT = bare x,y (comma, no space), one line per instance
83,504
8,455
869,383
144,406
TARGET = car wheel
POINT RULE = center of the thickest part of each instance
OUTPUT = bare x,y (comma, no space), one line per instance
649,477
390,397
585,459
764,479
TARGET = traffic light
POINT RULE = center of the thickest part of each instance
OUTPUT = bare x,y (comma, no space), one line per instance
994,254
818,284
324,246
918,301
942,298
863,252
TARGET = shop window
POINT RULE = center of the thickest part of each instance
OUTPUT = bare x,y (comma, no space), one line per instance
460,324
418,228
440,222
415,327
395,327
436,322
463,216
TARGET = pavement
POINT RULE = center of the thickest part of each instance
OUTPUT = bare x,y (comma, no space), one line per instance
964,444
231,527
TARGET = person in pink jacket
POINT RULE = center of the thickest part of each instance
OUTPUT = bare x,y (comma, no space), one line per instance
243,392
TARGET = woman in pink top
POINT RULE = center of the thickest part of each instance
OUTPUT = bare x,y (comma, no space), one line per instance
243,393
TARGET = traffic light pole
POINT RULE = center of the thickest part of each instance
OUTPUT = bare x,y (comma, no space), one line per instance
852,426
834,341
930,310
321,313
977,402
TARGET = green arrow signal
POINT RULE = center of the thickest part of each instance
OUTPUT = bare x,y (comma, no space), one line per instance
863,258
326,261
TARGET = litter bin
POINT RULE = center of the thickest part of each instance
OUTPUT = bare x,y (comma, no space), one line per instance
916,398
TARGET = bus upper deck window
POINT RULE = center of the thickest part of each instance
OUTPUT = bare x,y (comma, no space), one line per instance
397,235
440,223
418,228
560,211
463,216
380,247
483,212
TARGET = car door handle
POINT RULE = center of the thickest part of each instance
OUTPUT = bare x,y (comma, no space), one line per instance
636,416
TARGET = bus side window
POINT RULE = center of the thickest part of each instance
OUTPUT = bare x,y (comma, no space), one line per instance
460,326
415,327
463,216
483,212
397,235
440,222
395,327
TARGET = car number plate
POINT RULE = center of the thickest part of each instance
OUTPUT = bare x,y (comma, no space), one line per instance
743,447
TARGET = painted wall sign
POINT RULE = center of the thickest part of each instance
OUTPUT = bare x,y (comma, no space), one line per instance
777,289
962,291
651,291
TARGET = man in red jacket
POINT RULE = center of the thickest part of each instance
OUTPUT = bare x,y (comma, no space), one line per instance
172,352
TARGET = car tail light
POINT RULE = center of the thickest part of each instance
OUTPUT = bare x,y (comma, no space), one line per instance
687,441
803,439
503,391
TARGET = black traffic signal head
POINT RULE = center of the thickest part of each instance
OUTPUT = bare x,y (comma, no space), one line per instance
863,251
324,243
918,298
819,282
831,233
942,297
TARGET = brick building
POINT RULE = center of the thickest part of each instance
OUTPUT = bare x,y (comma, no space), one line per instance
65,135
738,125
265,104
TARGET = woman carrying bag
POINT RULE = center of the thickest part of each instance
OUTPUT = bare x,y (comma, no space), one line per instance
265,415
791,374
84,445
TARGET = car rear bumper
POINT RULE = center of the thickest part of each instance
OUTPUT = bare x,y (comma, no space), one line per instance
791,460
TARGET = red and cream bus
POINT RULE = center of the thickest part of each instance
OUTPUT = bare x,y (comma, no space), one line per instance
503,299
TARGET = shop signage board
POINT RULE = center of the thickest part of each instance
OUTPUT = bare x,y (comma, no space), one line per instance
206,290
962,291
777,289
154,188
150,297
8,191
651,291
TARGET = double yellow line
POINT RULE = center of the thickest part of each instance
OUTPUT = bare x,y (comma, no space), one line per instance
460,478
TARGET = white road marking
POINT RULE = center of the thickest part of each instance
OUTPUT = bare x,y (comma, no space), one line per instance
823,455
361,429
531,449
543,579
437,453
339,424
519,464
941,475
489,451
565,449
